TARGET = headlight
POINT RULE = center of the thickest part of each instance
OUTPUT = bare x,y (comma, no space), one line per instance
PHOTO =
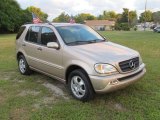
140,60
105,68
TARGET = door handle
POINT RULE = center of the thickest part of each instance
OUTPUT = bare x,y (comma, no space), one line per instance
23,44
39,48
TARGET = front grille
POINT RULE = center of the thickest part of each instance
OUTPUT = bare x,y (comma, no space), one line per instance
129,65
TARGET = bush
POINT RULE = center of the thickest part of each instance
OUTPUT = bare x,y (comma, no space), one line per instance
135,28
122,26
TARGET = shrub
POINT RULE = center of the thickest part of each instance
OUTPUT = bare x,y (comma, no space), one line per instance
135,28
122,26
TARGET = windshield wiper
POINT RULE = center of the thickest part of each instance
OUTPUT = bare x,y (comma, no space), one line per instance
96,40
83,42
78,42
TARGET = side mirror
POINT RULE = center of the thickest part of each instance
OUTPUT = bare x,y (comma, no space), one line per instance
53,45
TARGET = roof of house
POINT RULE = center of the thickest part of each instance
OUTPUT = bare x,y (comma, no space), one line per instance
99,22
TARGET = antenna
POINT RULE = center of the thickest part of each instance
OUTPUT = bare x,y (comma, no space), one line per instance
48,22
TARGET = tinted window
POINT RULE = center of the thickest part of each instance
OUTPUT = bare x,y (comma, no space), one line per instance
47,35
32,34
20,32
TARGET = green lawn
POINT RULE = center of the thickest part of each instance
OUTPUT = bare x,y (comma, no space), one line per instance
31,97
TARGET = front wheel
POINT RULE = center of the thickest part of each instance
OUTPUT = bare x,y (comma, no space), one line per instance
80,85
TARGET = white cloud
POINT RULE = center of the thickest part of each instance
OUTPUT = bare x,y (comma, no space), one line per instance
54,7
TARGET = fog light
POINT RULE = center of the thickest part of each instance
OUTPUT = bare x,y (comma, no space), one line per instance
113,82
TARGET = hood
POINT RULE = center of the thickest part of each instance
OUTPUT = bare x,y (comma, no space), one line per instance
105,52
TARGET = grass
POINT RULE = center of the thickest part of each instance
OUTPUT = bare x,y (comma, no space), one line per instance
26,97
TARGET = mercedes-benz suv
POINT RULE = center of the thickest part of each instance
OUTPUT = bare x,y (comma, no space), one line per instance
78,56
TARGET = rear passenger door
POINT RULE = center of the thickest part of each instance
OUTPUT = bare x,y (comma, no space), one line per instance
51,59
31,44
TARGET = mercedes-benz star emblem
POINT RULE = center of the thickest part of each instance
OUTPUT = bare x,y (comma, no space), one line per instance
131,64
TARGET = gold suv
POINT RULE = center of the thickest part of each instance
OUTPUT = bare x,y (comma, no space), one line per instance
78,56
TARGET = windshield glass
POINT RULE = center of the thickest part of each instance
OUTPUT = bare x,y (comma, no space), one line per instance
78,34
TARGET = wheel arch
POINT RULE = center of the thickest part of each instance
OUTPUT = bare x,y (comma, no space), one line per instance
75,67
72,68
18,54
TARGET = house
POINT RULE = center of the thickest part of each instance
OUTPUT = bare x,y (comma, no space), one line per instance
100,24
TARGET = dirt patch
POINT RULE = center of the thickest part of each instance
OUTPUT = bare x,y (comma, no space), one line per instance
18,114
20,81
2,97
49,100
45,101
56,90
116,106
119,107
6,75
28,92
36,106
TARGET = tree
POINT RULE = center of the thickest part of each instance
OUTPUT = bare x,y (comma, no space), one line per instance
26,16
12,16
156,17
43,16
146,16
100,17
9,15
118,17
63,17
80,18
126,20
107,15
132,18
125,15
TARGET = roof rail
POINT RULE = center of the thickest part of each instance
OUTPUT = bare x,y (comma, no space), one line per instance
27,23
46,21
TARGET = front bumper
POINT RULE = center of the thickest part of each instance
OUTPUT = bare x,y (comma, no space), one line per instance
115,82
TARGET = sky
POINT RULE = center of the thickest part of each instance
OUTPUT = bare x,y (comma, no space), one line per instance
72,7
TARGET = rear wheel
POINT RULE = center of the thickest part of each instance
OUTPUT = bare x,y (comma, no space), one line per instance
23,65
80,85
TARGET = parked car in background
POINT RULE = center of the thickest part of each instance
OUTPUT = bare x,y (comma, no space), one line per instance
157,29
78,56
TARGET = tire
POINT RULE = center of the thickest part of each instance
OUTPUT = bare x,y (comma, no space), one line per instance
80,86
23,66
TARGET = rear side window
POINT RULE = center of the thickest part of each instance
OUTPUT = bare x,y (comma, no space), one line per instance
20,32
47,35
32,34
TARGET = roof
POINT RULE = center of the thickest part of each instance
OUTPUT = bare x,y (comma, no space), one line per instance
54,24
99,22
65,24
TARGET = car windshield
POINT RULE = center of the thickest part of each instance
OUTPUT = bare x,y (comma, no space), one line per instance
79,34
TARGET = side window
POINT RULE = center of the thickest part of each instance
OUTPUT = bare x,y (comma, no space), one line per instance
47,35
20,32
32,34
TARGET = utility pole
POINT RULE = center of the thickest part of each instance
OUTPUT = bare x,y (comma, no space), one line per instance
128,17
145,16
